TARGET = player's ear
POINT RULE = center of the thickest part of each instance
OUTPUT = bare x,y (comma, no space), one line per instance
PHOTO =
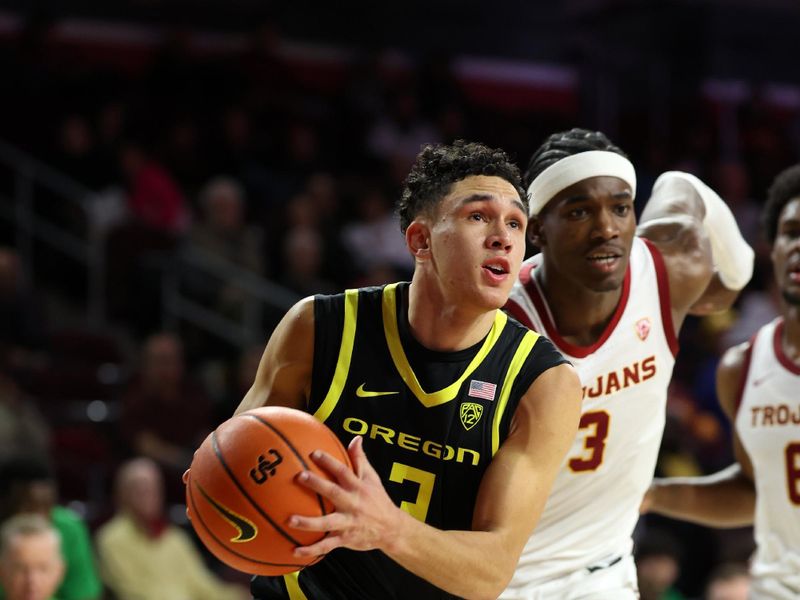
536,232
418,239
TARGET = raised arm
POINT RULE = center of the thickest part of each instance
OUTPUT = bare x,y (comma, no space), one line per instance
707,259
724,499
470,564
284,374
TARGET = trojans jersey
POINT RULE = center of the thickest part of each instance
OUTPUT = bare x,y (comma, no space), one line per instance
768,425
594,504
431,422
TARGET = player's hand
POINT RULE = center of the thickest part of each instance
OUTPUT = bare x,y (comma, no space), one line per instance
365,517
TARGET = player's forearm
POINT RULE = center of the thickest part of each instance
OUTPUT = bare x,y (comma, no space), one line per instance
724,499
469,564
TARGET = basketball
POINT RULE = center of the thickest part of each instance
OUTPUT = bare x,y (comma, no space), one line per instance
241,488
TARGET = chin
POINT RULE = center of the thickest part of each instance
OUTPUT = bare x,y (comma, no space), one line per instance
791,298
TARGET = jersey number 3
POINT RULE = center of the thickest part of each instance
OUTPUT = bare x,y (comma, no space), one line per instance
594,443
419,508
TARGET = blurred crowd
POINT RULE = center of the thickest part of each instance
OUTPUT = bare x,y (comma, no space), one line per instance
289,173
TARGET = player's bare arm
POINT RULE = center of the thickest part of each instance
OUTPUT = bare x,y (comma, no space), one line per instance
284,374
724,499
706,257
470,564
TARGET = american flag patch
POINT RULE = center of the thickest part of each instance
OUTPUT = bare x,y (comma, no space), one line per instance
481,389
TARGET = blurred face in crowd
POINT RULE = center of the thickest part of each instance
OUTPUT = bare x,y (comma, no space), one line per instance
225,208
163,365
31,566
733,588
140,490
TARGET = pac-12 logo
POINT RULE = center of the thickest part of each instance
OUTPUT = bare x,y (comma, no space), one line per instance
266,468
470,414
643,328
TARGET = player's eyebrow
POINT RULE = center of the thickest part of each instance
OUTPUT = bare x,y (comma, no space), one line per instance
479,197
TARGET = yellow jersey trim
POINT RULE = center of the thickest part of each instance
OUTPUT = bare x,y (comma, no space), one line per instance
389,308
345,356
521,354
293,586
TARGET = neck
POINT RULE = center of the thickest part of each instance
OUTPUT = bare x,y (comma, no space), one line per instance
439,323
579,314
791,333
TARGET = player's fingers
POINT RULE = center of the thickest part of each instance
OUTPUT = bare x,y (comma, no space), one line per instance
185,477
340,471
323,546
331,522
332,491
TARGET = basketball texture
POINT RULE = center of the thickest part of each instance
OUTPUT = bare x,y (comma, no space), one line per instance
241,488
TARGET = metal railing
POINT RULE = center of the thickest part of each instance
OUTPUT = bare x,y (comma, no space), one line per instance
259,293
30,174
30,227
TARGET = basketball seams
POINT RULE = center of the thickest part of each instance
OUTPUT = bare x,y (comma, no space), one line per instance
291,447
210,532
244,493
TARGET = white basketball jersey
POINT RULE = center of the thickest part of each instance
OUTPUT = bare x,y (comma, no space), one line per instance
768,424
594,505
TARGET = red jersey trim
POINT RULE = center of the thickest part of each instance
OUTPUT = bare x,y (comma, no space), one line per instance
516,311
748,355
550,329
778,347
663,296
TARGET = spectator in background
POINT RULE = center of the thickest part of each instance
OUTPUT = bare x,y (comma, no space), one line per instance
154,198
143,555
27,486
223,230
728,582
374,239
164,414
658,561
22,332
302,255
22,427
31,566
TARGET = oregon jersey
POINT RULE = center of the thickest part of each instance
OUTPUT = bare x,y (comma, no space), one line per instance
431,422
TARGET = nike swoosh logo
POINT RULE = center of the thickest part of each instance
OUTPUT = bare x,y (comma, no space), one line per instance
246,529
757,382
362,393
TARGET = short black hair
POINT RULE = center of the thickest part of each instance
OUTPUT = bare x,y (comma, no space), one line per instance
784,188
439,166
563,144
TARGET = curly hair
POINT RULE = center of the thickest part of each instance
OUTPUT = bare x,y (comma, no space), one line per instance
784,188
563,144
439,166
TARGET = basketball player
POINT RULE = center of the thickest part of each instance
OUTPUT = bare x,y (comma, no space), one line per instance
612,302
459,417
757,386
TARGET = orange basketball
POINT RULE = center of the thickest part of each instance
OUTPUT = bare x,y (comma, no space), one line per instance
241,488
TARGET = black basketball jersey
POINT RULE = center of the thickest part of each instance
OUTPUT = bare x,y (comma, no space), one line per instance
431,422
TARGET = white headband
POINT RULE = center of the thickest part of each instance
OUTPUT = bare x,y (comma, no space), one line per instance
575,168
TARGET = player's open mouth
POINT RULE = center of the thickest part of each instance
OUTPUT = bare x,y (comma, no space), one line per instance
794,273
496,269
